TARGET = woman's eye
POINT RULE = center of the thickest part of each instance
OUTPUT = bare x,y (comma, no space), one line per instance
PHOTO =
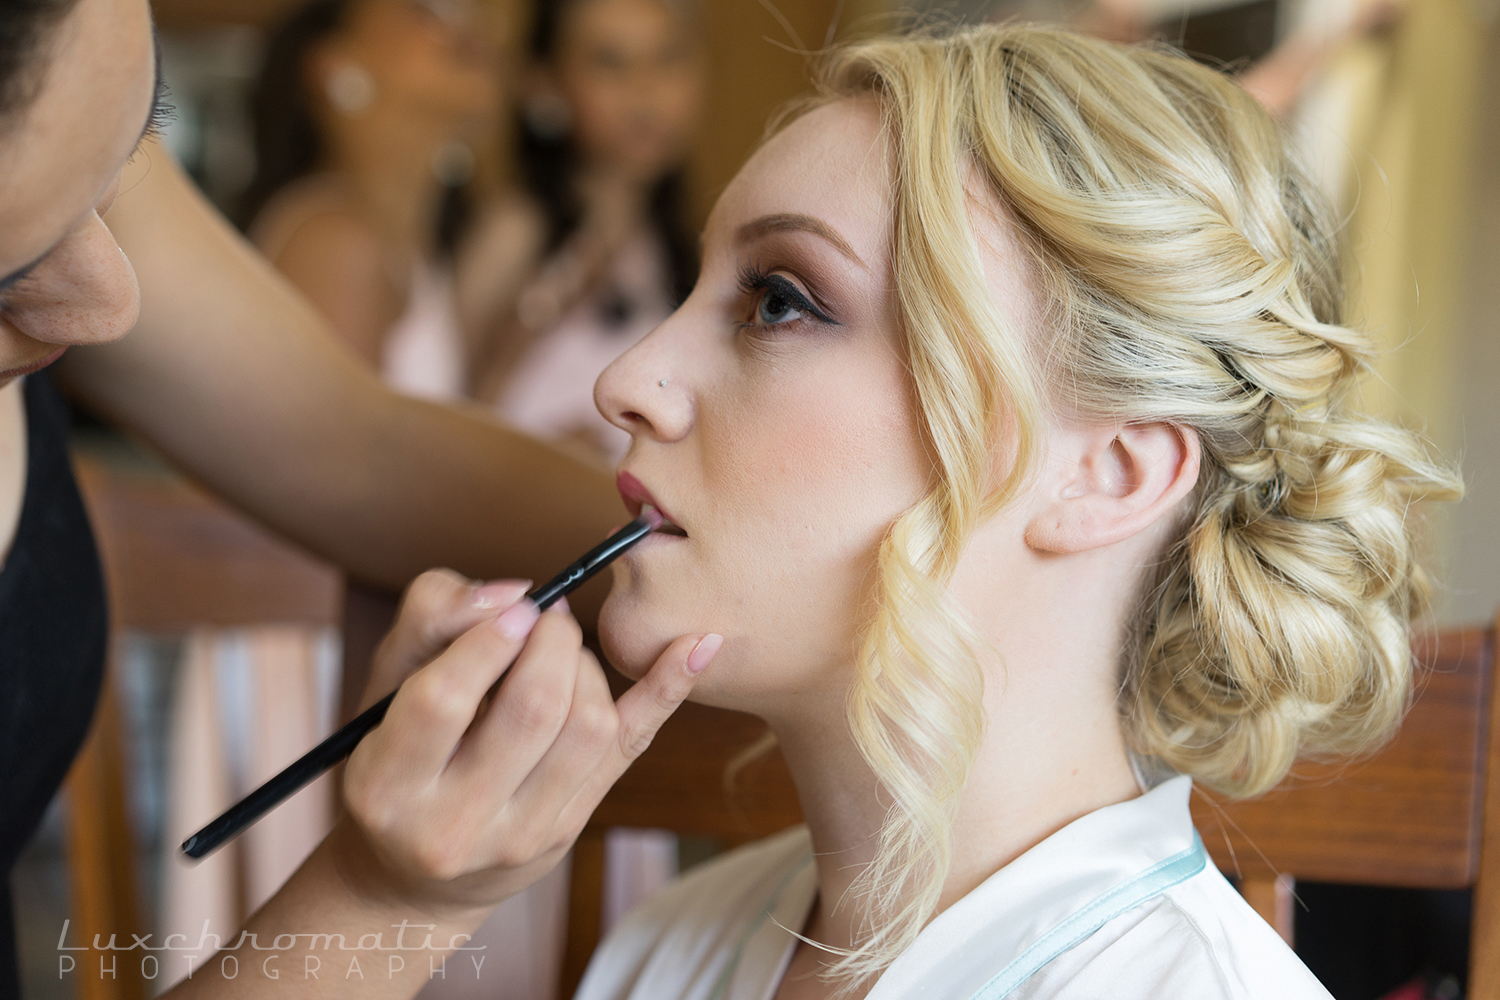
776,307
776,300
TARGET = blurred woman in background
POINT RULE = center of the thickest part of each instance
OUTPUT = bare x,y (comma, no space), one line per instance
361,114
614,95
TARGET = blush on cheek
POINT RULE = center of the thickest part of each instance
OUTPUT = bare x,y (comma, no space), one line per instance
828,458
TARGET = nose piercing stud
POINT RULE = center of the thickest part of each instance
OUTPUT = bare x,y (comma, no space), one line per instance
662,383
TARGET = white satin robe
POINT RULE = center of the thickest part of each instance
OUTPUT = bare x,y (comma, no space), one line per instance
1121,904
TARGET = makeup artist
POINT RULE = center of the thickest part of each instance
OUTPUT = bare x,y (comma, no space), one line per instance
229,373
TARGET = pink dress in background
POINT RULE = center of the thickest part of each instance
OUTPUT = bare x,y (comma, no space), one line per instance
423,354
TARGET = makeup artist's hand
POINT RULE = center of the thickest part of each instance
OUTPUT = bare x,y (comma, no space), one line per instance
465,795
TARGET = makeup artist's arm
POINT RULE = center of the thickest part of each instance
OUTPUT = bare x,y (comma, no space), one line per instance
457,800
233,376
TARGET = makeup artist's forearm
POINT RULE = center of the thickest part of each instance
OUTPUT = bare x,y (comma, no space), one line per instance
232,375
336,941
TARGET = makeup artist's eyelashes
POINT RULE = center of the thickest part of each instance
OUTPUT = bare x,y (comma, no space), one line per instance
776,299
162,111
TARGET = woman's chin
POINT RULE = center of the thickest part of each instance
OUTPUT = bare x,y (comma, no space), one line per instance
630,646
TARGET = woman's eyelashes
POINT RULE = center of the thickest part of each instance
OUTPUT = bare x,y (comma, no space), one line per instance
776,299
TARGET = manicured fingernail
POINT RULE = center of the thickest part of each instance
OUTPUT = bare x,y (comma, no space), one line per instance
562,605
517,620
703,653
500,595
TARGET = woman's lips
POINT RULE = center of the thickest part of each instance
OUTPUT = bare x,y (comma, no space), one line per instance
636,496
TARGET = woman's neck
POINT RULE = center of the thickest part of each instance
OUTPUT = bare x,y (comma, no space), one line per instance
1052,752
389,168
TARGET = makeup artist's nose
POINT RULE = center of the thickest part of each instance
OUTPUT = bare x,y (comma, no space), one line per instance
644,392
83,292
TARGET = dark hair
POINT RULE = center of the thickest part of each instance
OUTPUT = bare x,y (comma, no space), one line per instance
288,141
549,165
22,28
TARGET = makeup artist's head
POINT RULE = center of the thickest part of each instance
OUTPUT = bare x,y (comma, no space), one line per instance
77,88
1031,339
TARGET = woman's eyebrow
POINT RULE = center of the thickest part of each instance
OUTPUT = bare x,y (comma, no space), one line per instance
781,222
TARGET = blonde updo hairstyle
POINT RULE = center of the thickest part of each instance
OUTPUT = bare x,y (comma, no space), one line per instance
1191,276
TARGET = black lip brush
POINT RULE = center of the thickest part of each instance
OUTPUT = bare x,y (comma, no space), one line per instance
342,743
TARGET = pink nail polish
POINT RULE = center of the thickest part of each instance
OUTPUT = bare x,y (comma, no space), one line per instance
703,653
517,620
501,594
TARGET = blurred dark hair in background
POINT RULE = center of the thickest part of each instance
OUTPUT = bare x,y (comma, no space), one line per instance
548,165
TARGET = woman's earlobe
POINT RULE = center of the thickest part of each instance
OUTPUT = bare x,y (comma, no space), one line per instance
1123,481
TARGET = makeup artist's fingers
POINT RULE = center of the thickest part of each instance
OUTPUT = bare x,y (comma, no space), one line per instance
569,764
434,708
648,704
438,607
528,712
492,738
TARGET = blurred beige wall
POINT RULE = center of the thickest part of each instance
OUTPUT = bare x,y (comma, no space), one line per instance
752,74
1471,576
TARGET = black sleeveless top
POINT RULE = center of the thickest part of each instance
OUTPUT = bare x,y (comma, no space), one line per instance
52,640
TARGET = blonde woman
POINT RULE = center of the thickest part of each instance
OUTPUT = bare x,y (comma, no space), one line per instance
1008,434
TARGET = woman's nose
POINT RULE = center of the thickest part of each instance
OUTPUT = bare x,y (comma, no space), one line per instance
645,392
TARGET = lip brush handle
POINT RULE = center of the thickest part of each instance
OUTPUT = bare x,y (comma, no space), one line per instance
283,786
342,743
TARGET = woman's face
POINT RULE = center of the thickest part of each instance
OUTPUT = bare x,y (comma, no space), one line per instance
772,420
63,278
631,74
429,56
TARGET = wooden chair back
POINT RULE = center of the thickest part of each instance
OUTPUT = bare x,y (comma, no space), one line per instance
1424,811
174,559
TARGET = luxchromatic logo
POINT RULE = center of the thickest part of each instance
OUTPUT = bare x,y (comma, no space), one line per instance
308,955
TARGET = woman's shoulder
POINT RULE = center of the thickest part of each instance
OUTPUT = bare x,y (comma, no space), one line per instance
687,930
319,210
1199,938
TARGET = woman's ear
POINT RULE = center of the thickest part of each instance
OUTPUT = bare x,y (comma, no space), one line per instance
1112,482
